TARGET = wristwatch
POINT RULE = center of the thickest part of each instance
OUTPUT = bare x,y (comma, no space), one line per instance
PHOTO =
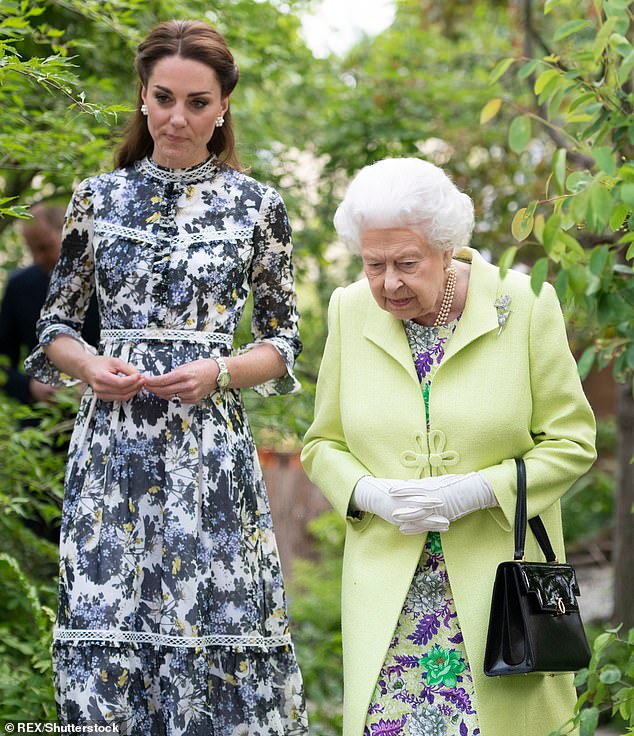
223,379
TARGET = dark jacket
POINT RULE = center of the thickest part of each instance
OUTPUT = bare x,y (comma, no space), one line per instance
19,312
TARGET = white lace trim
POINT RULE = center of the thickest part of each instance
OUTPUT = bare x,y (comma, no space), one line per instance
113,636
186,176
160,335
209,235
112,228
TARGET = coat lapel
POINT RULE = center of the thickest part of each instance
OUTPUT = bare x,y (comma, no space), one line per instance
479,315
387,333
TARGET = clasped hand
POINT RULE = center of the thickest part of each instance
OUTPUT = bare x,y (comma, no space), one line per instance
426,504
114,380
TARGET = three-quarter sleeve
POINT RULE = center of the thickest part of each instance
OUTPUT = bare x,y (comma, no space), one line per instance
275,317
70,289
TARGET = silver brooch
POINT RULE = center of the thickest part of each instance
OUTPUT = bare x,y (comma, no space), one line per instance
502,305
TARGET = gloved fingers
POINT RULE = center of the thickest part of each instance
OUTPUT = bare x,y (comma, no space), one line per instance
430,524
416,512
414,487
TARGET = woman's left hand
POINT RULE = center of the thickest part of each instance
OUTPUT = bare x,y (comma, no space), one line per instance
459,495
189,382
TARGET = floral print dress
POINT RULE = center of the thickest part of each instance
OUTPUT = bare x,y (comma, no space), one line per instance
172,618
425,686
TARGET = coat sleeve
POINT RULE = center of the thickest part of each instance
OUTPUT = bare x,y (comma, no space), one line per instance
326,456
562,424
275,317
71,287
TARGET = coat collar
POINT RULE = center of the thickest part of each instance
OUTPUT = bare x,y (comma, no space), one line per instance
479,316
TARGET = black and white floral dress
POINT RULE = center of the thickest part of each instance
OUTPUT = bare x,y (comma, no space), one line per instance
172,618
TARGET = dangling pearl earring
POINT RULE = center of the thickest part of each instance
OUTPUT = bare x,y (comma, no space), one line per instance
144,109
220,121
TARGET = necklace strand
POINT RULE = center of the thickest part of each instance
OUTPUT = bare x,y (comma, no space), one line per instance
447,299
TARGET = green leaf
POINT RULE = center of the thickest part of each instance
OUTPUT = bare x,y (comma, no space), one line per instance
582,676
630,252
538,228
617,216
600,207
499,69
545,78
559,170
605,158
551,228
602,641
552,4
610,674
572,26
490,110
584,366
588,721
519,133
578,180
561,285
602,37
522,224
598,259
539,274
528,68
626,193
506,260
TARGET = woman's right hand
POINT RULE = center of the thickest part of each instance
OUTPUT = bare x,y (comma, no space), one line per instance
399,502
110,378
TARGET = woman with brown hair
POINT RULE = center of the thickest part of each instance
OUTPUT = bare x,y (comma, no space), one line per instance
172,618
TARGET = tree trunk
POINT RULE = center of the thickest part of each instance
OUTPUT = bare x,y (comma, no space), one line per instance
624,519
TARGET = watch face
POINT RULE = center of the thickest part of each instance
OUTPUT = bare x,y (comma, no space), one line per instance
223,378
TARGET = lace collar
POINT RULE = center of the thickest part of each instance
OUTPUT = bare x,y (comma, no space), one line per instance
192,175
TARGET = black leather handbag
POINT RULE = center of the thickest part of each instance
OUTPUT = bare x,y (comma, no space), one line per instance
534,624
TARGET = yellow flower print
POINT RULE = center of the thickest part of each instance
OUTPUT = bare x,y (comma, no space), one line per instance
156,199
123,679
176,565
153,218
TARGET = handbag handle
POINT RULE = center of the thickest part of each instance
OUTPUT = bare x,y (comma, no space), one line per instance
536,524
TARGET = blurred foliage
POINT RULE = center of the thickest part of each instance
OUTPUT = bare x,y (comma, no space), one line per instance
315,608
31,489
583,221
607,685
307,125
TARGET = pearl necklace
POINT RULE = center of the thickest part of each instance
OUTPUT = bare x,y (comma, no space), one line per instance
447,299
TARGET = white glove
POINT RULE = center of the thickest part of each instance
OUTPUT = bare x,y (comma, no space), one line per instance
387,498
459,495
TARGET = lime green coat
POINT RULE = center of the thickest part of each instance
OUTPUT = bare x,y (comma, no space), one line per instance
494,397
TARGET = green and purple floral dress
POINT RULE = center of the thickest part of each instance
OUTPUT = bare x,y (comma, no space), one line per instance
425,687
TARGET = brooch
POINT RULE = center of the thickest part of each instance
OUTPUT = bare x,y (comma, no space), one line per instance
502,304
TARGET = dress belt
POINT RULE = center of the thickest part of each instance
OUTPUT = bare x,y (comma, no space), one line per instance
160,335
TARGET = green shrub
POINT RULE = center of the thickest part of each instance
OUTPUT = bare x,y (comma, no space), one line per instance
315,611
607,685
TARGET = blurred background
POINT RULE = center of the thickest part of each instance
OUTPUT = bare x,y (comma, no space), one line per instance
528,106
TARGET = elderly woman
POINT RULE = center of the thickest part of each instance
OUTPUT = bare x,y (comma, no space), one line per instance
436,374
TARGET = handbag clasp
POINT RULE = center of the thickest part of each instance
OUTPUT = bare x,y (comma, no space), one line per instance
561,606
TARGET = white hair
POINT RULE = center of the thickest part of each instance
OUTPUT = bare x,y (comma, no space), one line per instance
405,193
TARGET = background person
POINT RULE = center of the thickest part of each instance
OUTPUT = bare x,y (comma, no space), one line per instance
172,616
436,374
23,299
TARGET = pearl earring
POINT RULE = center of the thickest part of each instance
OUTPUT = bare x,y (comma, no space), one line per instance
220,121
144,109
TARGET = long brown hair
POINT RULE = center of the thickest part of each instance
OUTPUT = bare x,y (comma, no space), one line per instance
188,39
